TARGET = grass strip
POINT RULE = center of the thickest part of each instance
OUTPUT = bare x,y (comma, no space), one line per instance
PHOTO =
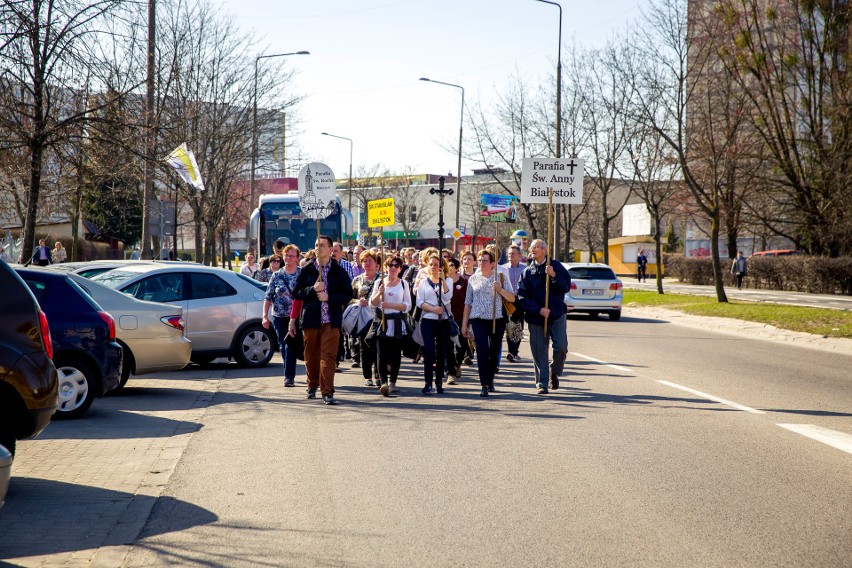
818,321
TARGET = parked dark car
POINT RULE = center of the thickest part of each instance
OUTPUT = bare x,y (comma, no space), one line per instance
28,380
86,354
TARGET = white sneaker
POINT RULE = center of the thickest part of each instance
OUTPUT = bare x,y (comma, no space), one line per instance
393,387
451,380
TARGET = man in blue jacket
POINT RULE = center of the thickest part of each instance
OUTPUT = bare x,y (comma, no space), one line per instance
325,289
531,291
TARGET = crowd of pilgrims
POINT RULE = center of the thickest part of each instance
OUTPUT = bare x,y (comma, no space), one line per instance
455,305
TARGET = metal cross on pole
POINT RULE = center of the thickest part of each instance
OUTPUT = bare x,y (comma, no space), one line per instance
442,193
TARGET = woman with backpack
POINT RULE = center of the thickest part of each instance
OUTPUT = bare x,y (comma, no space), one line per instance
362,285
434,294
391,296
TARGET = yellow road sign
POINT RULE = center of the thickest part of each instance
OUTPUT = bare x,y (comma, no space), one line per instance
380,213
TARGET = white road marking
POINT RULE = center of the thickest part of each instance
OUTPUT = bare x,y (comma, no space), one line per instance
713,398
833,438
610,365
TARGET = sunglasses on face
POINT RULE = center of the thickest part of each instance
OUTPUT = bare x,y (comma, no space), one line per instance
274,262
394,265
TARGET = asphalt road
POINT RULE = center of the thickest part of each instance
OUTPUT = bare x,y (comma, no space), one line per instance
667,446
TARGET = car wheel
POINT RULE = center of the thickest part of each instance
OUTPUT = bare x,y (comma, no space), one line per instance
254,347
7,439
615,316
77,387
127,363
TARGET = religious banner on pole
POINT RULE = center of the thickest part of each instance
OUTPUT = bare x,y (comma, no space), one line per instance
317,191
498,208
559,179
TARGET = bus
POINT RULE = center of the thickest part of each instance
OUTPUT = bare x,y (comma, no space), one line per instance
279,216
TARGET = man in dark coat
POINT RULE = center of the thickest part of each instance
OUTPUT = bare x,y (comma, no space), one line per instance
325,289
531,291
41,254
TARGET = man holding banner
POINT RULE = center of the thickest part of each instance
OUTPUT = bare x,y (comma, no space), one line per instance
544,311
324,288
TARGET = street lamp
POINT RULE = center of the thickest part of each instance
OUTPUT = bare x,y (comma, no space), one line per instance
558,110
254,131
349,191
441,194
461,128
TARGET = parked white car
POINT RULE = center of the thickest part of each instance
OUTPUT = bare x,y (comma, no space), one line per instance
594,289
151,334
222,310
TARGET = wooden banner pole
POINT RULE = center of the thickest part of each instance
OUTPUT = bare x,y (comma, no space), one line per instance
547,262
382,256
496,274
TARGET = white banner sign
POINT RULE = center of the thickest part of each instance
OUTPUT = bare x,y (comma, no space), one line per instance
317,191
561,176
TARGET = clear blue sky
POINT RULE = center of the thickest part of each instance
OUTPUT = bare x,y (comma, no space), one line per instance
361,79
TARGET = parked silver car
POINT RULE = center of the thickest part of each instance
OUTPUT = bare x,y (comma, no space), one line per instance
594,289
222,311
151,334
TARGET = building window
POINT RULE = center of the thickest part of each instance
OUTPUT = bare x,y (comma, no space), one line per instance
412,216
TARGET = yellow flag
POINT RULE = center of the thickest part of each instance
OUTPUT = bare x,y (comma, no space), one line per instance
183,161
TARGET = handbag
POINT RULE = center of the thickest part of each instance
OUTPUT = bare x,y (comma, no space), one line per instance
508,307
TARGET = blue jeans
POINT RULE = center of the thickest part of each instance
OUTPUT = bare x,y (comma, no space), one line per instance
489,344
287,355
556,332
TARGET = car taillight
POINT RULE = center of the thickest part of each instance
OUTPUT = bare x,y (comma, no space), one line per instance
173,321
616,286
110,323
573,286
45,334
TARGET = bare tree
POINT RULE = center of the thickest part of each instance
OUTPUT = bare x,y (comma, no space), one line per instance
791,59
47,46
679,94
408,200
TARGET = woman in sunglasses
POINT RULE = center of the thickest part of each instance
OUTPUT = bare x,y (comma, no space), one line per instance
434,295
391,296
484,311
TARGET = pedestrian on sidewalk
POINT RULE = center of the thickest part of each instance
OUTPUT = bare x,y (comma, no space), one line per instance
642,266
279,297
484,312
324,288
740,268
532,292
392,297
434,294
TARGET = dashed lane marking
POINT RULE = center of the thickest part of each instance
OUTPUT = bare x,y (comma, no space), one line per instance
840,440
736,405
610,365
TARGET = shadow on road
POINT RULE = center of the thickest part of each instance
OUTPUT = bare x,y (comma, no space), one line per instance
75,521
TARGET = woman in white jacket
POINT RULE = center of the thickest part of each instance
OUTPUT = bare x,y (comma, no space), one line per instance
433,297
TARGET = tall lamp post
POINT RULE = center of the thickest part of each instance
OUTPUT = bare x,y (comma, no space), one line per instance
558,236
349,190
254,130
441,194
461,129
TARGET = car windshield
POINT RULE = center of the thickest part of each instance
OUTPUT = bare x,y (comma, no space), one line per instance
114,278
591,273
261,285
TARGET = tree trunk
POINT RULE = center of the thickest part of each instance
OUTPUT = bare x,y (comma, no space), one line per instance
658,248
717,265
